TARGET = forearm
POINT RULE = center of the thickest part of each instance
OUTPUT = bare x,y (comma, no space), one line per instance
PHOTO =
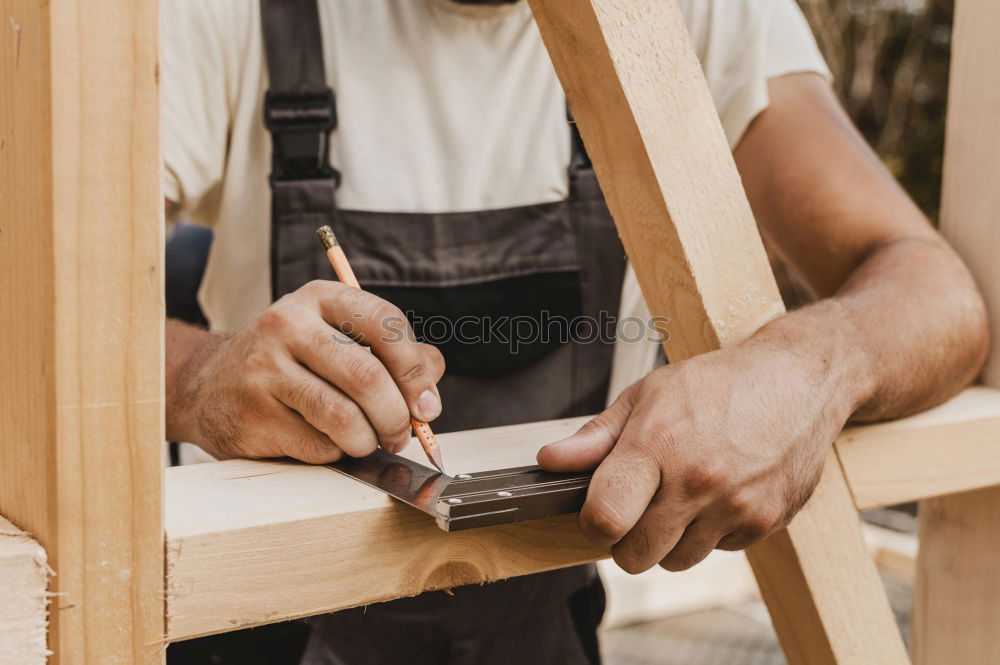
904,332
186,347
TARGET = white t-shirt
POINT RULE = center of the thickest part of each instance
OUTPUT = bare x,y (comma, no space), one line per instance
442,107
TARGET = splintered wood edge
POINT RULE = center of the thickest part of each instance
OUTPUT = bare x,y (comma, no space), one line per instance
24,578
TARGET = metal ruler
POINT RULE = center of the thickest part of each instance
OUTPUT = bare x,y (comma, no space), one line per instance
470,500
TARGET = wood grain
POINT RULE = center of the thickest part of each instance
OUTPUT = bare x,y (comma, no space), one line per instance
81,310
646,115
24,577
952,448
234,526
955,616
970,204
665,168
821,591
956,608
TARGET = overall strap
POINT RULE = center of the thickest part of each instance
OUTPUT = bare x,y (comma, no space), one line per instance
300,113
299,108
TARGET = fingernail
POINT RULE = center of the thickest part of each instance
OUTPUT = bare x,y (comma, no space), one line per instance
429,405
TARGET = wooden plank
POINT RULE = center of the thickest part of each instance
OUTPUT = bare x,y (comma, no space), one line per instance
820,590
81,409
24,577
951,448
970,205
955,609
234,526
656,141
895,553
650,126
958,579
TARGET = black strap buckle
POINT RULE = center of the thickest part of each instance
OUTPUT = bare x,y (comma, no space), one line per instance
300,127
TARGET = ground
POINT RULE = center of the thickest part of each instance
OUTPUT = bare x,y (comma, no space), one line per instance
739,635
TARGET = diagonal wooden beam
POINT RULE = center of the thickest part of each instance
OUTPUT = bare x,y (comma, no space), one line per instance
955,617
650,126
81,315
667,173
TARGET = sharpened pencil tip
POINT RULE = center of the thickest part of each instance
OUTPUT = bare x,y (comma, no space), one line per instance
436,460
428,442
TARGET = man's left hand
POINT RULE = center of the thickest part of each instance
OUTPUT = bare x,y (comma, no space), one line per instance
718,451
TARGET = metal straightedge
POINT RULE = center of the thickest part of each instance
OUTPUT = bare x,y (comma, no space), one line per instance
470,500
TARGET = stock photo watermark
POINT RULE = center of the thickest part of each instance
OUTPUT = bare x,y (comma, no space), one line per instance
516,332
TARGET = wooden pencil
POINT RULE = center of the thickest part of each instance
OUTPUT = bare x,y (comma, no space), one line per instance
341,266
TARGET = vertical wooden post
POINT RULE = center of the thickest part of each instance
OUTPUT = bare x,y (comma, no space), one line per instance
956,608
955,618
81,315
645,112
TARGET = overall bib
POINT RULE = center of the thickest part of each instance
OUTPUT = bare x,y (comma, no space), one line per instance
517,300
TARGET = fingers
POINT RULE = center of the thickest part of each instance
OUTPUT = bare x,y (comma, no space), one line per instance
586,449
414,367
619,492
739,540
698,541
751,529
733,522
632,503
288,435
377,401
657,532
328,410
648,499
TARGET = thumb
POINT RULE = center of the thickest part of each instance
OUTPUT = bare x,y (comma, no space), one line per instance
586,449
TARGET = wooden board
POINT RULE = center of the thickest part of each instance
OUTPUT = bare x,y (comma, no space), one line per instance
234,526
646,115
895,553
817,594
956,608
955,617
24,577
951,448
654,136
81,309
970,205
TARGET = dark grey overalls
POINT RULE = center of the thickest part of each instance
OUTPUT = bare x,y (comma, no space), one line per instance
546,265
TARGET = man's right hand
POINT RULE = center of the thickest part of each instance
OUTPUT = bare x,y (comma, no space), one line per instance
299,381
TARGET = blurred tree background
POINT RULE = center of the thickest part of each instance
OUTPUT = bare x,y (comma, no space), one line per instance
890,61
